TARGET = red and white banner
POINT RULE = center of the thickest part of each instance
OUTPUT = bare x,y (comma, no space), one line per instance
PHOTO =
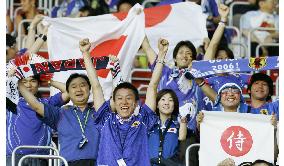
121,34
175,22
108,35
183,21
240,136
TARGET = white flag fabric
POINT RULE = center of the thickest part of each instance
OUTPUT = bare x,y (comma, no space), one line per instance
108,35
181,21
240,136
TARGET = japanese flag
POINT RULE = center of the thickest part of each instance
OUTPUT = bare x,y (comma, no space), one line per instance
108,35
243,137
175,22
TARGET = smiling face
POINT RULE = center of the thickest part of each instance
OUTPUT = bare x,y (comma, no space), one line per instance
184,57
125,102
79,91
166,104
230,98
31,84
259,90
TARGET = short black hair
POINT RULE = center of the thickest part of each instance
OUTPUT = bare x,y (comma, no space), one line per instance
126,85
10,40
262,77
188,44
131,2
227,50
161,93
76,75
91,11
261,162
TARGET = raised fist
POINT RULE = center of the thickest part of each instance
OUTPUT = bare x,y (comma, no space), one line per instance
84,45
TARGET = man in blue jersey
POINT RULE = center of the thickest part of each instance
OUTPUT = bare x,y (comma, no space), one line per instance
25,128
77,134
260,90
123,132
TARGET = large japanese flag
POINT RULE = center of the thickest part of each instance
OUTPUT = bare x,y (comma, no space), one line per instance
175,22
108,35
240,136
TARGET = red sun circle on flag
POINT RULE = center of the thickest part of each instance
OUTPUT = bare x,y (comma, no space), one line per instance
26,69
236,141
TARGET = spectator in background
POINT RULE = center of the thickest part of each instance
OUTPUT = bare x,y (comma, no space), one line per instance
28,11
9,25
86,11
264,17
125,5
164,139
11,48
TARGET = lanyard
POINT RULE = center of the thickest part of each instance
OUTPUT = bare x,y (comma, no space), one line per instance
85,118
162,138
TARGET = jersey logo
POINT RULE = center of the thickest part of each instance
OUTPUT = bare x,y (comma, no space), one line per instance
257,63
172,130
135,124
264,111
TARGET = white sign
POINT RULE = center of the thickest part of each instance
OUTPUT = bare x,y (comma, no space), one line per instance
240,136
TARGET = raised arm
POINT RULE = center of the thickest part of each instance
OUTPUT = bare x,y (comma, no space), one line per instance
211,50
32,31
157,72
30,98
206,89
36,46
62,87
98,96
151,55
182,129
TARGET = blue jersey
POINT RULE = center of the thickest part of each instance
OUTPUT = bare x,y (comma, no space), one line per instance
267,109
170,146
25,128
124,141
65,121
187,91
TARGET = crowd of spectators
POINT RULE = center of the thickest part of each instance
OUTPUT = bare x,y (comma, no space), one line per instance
159,122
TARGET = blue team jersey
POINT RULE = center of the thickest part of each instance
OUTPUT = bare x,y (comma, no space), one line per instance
116,144
267,109
65,121
170,146
25,128
187,92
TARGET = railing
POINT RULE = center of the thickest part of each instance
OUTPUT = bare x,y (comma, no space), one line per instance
231,14
42,157
257,50
242,45
187,153
249,37
31,147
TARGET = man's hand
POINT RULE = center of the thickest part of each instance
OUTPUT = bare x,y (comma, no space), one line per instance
224,12
85,45
163,45
36,20
199,119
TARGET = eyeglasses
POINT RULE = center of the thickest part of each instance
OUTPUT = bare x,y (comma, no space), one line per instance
232,90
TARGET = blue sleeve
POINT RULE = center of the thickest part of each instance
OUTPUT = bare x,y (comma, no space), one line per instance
214,8
102,114
275,106
56,100
51,115
149,117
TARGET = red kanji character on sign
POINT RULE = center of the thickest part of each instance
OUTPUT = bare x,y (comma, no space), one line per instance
236,141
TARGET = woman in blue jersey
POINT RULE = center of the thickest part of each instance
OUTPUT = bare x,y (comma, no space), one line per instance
164,139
